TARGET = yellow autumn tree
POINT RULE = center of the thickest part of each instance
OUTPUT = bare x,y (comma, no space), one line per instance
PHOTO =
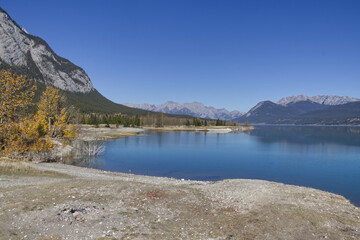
30,137
49,108
21,131
16,93
52,118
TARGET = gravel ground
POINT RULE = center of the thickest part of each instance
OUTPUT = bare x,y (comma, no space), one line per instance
81,203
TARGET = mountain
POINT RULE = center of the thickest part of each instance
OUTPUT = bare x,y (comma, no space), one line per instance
267,112
302,110
195,109
33,55
26,54
320,99
306,106
344,114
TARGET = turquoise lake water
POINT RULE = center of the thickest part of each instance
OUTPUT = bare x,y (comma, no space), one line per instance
326,158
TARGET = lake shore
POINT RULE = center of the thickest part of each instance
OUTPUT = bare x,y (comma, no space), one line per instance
57,201
87,132
210,129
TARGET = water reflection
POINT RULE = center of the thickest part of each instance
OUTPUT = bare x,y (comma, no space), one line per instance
87,154
97,162
305,135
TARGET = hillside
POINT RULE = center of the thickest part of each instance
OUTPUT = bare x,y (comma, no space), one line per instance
306,106
303,112
348,114
267,112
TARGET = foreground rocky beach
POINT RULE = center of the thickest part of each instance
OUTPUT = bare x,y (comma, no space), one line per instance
57,201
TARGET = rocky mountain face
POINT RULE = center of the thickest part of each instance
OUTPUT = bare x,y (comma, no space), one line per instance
195,109
320,99
32,56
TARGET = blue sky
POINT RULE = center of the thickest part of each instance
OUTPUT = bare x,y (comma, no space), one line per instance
229,54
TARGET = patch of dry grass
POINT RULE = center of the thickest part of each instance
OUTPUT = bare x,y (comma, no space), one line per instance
17,168
155,194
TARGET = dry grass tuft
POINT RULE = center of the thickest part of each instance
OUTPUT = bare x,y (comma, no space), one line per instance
16,168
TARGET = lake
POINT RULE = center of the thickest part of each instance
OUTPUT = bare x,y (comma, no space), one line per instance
326,157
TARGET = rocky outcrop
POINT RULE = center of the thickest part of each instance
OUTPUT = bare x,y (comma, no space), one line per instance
32,56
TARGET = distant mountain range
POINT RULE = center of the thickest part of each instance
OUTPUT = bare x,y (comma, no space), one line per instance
306,110
195,109
301,109
320,99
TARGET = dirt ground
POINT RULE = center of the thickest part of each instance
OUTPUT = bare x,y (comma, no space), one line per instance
56,201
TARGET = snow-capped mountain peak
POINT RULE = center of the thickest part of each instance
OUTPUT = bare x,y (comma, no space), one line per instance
320,99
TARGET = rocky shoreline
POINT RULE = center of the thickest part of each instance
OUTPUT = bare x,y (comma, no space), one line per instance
60,201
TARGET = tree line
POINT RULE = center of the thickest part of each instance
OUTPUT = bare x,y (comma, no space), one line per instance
159,120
